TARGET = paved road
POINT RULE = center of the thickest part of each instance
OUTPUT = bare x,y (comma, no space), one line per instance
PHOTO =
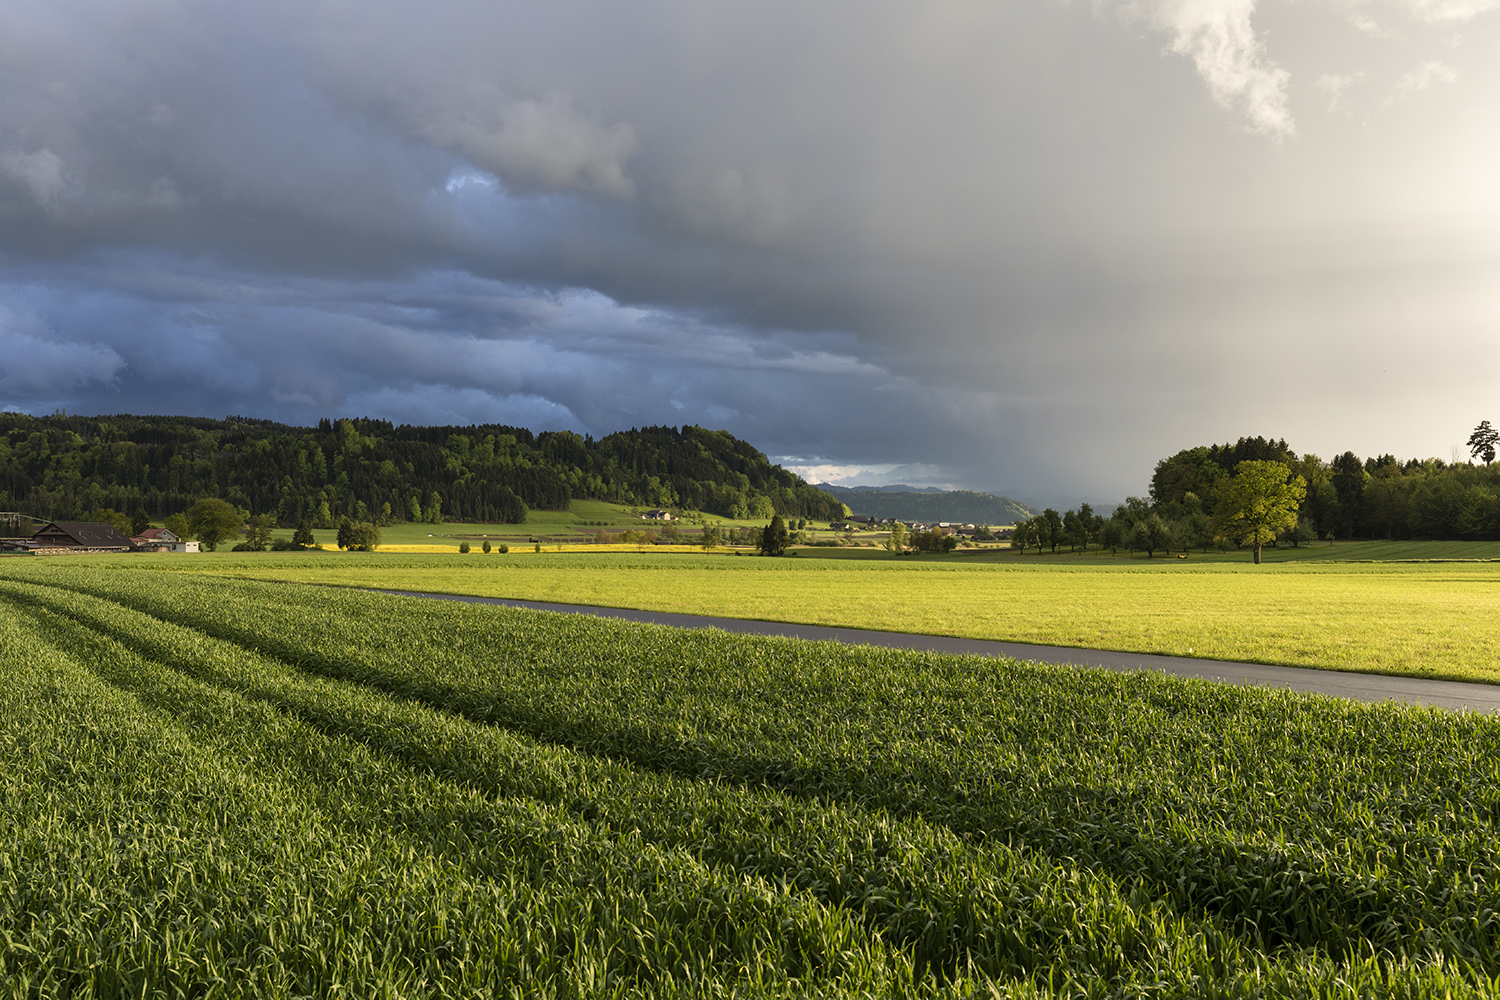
1341,684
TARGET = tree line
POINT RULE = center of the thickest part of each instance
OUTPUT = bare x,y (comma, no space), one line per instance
1351,497
1259,492
63,467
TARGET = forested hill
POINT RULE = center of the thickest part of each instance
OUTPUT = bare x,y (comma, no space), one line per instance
63,467
955,505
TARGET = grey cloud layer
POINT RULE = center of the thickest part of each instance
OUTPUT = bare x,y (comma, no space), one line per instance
1008,244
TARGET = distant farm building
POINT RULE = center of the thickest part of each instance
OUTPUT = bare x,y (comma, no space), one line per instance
659,515
80,536
162,540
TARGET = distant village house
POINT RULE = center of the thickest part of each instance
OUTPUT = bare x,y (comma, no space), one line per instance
162,540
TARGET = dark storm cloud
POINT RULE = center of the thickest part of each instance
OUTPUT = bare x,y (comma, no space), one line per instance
995,244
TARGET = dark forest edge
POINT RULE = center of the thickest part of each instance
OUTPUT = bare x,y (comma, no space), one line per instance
1258,491
63,467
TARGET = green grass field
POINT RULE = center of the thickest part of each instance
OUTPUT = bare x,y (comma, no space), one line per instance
1428,619
215,787
579,523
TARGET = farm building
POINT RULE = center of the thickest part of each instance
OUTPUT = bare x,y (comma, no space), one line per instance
80,536
162,540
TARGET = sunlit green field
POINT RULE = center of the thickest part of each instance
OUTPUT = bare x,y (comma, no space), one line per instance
583,518
227,788
1424,619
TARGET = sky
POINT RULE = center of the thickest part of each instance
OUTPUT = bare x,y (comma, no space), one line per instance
1027,247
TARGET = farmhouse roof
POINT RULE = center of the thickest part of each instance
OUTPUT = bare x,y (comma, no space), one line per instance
82,533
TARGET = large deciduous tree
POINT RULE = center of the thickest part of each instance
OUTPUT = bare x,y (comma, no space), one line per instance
213,521
1258,502
364,537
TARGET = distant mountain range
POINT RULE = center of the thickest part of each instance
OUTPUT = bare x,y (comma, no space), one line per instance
927,503
900,488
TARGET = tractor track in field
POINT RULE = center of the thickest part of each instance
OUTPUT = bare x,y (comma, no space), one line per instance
1354,685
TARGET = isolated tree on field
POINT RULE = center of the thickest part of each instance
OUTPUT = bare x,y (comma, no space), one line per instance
1482,442
303,535
213,521
775,538
897,541
365,536
1020,537
710,537
345,537
1257,503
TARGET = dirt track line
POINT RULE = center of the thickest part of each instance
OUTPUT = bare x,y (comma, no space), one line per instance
1337,683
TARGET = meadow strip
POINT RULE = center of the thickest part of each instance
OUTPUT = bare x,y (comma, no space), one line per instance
1425,620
